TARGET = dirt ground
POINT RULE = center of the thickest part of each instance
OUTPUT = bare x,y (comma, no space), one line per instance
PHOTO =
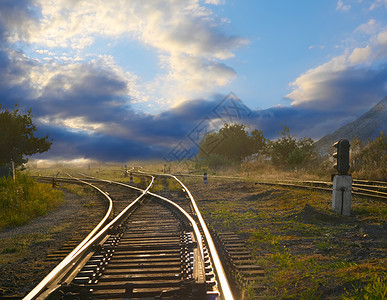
23,250
307,251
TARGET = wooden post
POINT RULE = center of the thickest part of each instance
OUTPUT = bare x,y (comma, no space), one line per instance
13,170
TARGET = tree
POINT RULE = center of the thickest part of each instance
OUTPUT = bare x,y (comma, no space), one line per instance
370,160
259,142
288,151
17,137
231,142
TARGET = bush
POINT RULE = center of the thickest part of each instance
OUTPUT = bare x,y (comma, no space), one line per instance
288,152
369,161
24,199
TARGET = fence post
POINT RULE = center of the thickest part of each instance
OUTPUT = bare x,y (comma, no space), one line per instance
205,177
13,170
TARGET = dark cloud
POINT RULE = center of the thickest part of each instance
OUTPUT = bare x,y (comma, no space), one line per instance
349,91
70,144
98,94
16,17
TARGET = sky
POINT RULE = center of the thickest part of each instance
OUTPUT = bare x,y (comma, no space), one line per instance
131,79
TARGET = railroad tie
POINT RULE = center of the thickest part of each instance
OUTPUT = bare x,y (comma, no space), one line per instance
238,261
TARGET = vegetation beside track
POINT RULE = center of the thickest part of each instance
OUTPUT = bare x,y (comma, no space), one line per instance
24,199
307,251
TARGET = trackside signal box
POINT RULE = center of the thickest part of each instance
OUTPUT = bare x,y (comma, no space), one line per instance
342,156
342,182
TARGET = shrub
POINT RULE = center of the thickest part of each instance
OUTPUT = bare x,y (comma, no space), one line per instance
24,199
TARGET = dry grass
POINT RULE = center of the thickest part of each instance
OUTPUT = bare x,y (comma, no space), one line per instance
308,252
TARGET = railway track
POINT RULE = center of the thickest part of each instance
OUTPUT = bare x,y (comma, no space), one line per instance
375,190
145,248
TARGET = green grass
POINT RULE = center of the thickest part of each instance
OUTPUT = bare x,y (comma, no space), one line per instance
307,251
173,185
79,190
25,199
17,247
376,289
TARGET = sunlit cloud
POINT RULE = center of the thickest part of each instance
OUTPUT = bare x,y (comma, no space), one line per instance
329,86
55,58
187,37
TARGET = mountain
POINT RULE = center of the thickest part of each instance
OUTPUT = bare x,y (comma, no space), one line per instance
368,126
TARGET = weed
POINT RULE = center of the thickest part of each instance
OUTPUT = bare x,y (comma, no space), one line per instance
25,199
375,289
324,246
89,204
16,247
78,190
157,187
173,185
304,248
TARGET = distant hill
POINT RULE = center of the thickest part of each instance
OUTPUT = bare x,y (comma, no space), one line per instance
369,125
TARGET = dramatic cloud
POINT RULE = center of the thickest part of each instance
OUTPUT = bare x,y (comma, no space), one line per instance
187,37
87,101
350,82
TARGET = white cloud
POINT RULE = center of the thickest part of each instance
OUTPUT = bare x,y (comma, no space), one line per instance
378,3
342,7
189,76
214,2
186,35
359,55
323,81
382,38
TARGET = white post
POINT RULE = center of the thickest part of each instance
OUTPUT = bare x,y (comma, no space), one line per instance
341,196
13,170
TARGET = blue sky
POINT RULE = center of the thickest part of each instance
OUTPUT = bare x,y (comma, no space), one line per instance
121,80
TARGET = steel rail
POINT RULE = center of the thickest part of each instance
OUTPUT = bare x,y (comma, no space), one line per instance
356,190
224,286
69,261
56,272
357,183
195,227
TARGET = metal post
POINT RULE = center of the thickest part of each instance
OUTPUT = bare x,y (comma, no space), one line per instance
341,196
205,177
131,178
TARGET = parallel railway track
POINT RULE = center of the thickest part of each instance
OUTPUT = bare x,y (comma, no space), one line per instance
375,190
151,248
368,189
